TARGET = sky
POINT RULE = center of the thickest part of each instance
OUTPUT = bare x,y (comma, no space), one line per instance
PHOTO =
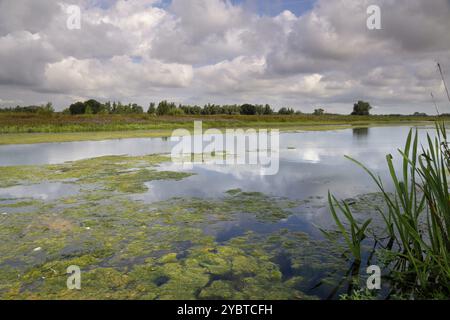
302,54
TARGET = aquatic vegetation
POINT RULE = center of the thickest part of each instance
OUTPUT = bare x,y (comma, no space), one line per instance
19,204
359,295
130,249
263,206
414,245
357,233
366,202
114,173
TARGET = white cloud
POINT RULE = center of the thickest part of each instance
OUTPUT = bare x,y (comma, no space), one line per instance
120,74
201,51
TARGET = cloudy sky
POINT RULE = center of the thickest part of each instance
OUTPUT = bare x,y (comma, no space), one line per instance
295,53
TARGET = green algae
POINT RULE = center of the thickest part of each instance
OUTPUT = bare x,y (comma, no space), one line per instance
113,173
220,289
366,202
234,202
131,249
20,204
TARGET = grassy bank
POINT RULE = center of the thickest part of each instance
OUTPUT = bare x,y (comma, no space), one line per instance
34,128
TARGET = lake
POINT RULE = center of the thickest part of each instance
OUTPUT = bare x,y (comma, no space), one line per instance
236,232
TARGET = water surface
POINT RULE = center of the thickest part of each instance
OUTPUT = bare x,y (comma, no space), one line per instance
311,165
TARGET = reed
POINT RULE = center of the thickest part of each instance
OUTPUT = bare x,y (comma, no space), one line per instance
416,219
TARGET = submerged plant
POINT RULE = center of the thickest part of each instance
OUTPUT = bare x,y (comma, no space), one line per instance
415,246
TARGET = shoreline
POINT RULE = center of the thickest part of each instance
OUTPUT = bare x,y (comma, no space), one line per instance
60,137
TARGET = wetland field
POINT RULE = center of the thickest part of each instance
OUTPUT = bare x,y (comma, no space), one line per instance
224,158
142,227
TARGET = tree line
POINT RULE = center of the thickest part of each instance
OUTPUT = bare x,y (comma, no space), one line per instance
165,108
42,109
171,109
168,108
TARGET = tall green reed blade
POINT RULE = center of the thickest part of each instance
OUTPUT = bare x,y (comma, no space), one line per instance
357,232
416,217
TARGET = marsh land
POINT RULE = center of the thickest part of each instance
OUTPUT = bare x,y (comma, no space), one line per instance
141,227
24,128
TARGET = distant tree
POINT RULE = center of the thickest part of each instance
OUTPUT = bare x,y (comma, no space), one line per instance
248,109
259,109
88,110
151,108
94,107
46,109
136,109
268,110
286,111
191,109
107,108
212,109
420,114
175,112
361,108
43,109
164,108
77,108
319,112
121,108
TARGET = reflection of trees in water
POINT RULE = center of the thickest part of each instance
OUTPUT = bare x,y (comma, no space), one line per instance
360,133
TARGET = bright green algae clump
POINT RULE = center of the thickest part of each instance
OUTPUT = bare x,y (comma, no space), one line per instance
130,249
114,173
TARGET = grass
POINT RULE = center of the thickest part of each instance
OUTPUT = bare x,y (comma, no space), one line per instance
34,128
415,244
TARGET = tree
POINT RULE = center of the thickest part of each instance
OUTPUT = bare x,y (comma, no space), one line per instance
93,106
286,111
77,108
361,108
88,110
319,112
175,112
151,108
137,109
164,108
259,109
268,110
248,109
108,108
46,109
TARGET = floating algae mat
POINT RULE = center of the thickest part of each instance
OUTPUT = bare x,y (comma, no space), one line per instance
132,249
